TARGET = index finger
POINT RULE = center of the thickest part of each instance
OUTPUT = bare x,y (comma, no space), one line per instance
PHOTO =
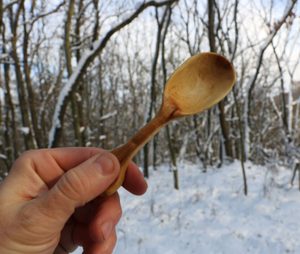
134,180
69,157
50,164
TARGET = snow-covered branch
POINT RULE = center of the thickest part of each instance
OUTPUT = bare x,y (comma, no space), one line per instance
109,115
82,66
252,81
267,42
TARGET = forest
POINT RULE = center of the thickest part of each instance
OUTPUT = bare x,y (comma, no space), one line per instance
91,73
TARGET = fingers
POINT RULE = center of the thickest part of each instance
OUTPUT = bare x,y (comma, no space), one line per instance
80,185
39,170
90,247
105,220
97,233
69,157
104,247
44,167
95,247
134,180
67,243
51,164
57,181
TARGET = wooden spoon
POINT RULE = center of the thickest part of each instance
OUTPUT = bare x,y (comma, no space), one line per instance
199,83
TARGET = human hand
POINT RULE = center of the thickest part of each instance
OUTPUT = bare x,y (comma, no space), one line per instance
51,201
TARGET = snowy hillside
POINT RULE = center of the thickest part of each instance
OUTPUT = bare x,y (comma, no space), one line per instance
210,214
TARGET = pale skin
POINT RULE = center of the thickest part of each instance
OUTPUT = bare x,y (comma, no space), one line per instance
51,201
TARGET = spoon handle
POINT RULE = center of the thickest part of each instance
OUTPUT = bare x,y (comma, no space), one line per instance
127,151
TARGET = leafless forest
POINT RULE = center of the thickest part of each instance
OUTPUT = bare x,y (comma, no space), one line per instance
91,72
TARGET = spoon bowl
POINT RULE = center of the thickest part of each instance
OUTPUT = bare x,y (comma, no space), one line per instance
199,83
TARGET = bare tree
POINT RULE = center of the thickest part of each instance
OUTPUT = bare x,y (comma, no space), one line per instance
87,73
55,133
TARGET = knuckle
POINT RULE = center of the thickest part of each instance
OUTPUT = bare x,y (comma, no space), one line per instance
26,158
27,217
110,244
28,154
72,186
119,213
32,213
116,208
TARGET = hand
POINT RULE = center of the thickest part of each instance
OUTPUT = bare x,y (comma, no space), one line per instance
51,201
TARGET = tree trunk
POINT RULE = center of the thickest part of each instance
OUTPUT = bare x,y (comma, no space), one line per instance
10,133
168,127
153,89
22,95
55,133
36,131
222,117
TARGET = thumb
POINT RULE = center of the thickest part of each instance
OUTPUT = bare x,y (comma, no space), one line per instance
81,184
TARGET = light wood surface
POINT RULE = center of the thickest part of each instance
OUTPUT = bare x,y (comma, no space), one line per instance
199,83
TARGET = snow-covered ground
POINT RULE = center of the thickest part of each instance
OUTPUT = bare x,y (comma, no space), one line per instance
210,214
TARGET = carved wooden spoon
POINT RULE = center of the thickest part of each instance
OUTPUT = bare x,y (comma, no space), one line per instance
199,83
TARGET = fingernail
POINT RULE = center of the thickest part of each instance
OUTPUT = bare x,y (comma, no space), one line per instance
106,164
106,229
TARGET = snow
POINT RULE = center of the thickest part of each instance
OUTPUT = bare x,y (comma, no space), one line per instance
64,94
3,156
108,115
210,214
25,130
82,129
102,137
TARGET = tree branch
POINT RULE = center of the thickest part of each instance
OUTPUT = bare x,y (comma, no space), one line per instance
85,61
265,46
